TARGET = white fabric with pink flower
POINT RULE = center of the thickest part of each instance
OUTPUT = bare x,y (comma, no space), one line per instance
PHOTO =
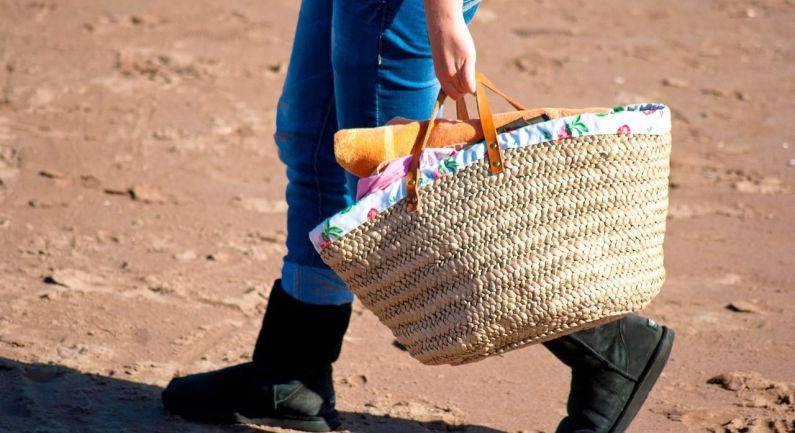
377,193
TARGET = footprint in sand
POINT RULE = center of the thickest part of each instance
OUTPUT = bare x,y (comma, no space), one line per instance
677,211
261,204
538,63
762,406
163,67
78,280
765,185
9,163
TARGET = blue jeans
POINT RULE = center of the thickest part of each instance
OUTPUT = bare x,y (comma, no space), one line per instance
355,63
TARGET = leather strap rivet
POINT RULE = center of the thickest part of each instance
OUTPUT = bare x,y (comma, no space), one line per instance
413,200
412,182
497,163
493,145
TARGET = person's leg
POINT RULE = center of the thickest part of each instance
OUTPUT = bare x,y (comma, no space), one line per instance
382,68
613,368
289,384
305,125
289,381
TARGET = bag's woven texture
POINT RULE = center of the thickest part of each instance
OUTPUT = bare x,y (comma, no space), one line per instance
568,237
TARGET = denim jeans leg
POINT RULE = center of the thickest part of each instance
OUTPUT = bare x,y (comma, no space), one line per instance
316,185
382,62
354,64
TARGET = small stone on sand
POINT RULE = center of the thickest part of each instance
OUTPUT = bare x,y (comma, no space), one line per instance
51,174
675,83
743,307
147,194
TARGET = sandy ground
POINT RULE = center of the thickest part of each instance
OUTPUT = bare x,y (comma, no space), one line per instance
142,214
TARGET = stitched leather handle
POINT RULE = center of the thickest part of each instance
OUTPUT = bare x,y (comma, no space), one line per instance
493,150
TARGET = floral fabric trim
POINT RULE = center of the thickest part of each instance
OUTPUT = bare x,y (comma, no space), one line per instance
651,119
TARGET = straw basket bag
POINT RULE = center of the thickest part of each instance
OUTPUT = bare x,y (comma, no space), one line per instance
529,235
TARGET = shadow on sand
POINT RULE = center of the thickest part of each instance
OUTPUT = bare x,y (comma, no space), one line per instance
48,398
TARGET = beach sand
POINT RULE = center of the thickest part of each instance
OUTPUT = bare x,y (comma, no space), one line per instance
142,213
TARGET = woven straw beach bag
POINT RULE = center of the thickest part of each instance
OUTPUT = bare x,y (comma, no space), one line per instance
525,244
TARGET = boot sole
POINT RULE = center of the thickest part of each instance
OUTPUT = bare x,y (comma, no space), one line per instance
309,424
646,381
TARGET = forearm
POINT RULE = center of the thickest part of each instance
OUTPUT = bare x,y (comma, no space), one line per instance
451,46
438,12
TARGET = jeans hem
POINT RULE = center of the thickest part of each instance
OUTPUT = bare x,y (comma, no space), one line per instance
313,285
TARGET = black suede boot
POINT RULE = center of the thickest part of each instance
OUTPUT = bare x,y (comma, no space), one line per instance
614,366
289,382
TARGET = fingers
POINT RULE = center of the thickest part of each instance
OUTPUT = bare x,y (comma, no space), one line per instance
467,75
462,82
450,88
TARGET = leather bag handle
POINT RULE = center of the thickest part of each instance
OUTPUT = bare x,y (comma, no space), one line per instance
461,106
461,112
493,150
